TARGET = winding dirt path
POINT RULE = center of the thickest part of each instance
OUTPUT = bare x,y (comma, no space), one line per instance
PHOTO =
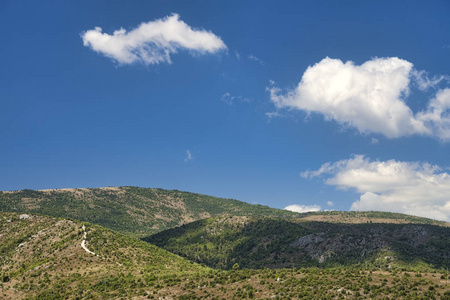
83,243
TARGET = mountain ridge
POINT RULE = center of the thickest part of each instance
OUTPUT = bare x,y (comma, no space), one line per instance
58,267
133,211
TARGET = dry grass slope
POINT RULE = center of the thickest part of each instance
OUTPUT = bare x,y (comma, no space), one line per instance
41,255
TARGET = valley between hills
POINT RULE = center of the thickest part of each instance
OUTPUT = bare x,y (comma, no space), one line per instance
143,243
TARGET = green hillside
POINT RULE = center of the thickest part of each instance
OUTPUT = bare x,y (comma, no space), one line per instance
43,257
133,211
259,243
323,255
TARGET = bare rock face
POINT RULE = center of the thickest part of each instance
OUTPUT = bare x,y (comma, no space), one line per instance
313,244
309,240
24,216
361,241
416,234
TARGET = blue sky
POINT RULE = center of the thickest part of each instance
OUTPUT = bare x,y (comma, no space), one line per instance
320,104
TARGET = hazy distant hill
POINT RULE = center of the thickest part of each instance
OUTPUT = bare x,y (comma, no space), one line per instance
357,217
366,239
131,210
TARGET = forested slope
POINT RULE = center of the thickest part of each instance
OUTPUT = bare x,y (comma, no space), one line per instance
221,242
131,210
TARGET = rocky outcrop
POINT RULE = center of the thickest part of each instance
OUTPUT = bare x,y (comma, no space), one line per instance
361,242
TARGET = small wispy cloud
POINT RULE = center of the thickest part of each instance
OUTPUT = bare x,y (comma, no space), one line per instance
330,203
254,58
424,82
374,141
273,114
230,99
188,156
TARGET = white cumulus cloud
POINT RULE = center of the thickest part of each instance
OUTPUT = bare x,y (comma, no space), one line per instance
152,42
369,97
414,188
302,208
